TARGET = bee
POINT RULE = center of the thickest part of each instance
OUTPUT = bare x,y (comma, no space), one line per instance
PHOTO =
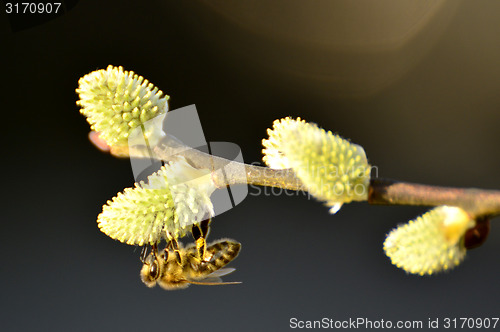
178,269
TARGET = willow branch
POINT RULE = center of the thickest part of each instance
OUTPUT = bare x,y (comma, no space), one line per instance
478,202
234,172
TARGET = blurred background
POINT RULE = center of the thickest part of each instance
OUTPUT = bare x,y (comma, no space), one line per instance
414,82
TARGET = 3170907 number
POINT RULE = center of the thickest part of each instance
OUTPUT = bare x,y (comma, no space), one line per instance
32,8
471,323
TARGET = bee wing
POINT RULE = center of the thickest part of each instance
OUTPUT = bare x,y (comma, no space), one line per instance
214,278
221,272
209,282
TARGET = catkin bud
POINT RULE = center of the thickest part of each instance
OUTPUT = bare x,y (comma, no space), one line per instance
175,198
117,101
431,243
332,169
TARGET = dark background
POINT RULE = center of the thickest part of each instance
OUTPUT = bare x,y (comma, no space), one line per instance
415,83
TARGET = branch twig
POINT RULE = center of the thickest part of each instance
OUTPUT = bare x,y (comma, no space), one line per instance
234,172
477,202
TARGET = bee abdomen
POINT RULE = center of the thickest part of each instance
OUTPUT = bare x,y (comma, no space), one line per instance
223,251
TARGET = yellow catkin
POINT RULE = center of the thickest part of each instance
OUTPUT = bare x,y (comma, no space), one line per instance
115,102
333,169
431,243
175,198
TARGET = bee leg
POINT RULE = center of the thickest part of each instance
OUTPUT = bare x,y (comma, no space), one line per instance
165,253
174,245
200,233
154,250
144,252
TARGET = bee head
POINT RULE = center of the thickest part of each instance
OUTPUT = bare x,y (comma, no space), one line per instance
152,269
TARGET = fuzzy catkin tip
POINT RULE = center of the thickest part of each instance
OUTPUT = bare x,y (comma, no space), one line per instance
431,243
115,102
164,208
333,169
